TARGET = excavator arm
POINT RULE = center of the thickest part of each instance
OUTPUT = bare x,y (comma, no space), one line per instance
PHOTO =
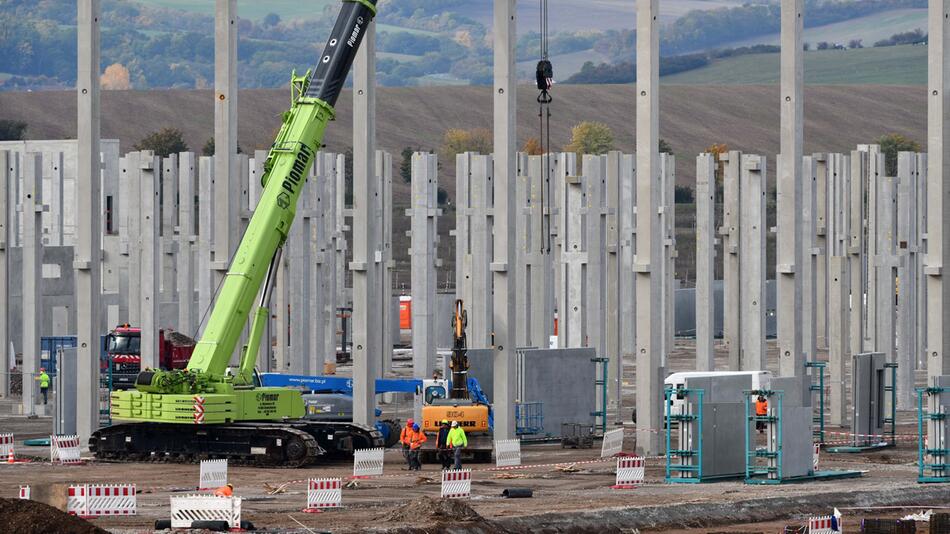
285,174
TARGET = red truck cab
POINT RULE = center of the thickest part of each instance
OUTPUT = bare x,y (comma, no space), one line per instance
124,350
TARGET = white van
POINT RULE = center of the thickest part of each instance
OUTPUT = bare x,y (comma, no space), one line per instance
761,380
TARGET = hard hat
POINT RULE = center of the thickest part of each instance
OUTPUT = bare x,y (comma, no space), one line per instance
415,427
230,485
42,369
455,423
445,421
409,422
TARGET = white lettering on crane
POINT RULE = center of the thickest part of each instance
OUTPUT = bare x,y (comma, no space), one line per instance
356,33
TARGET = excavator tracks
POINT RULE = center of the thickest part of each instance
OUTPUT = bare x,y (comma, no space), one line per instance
291,444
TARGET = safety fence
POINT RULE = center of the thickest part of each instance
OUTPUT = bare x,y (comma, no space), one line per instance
64,450
368,462
323,493
212,474
507,452
456,484
631,471
612,444
100,500
190,508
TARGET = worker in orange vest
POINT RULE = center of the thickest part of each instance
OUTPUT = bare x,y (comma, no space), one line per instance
416,439
761,410
404,439
224,491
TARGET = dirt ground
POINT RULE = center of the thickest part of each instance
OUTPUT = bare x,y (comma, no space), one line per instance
274,498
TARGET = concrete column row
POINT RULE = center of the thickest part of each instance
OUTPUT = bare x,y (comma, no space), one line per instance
423,254
473,238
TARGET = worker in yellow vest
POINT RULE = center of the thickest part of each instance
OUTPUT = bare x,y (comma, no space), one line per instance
44,384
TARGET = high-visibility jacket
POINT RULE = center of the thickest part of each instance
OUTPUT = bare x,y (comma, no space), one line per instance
416,439
44,380
457,438
761,407
223,491
404,435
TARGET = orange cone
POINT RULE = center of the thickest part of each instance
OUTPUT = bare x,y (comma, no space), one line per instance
10,458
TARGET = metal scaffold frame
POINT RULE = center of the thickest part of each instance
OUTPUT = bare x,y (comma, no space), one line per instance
690,467
773,431
938,468
819,419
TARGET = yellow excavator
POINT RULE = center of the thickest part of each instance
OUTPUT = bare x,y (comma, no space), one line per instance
473,416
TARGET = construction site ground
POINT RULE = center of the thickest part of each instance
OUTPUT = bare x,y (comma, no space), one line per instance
572,491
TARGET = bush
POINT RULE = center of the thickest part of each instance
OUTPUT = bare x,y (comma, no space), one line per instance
683,194
458,141
163,142
11,130
891,146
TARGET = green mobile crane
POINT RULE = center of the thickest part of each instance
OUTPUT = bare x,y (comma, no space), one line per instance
205,410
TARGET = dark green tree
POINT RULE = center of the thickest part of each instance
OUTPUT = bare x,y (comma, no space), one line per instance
665,147
891,146
405,166
12,130
208,149
163,142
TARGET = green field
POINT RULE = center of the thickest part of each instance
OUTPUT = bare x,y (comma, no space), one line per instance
895,65
869,29
252,9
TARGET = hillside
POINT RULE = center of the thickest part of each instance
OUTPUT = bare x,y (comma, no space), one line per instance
892,65
745,117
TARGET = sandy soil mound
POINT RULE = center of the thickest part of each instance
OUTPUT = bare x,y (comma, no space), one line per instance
31,517
435,510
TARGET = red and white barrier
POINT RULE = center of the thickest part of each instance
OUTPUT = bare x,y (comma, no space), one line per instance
98,500
64,449
630,472
367,463
814,458
189,508
6,447
25,492
507,453
323,493
821,525
612,444
456,484
213,474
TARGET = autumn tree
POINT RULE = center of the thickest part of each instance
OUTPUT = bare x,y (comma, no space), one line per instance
891,146
591,138
208,149
532,147
458,141
163,142
115,78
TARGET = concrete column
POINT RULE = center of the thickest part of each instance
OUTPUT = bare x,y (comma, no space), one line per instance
668,266
875,171
649,243
839,338
5,204
525,254
150,245
31,206
920,353
809,263
388,316
281,318
886,266
705,258
168,221
227,188
187,316
564,175
503,257
938,183
328,263
462,234
317,193
907,248
621,297
789,196
424,212
857,276
298,252
595,209
206,286
823,258
343,298
731,260
752,267
480,236
572,324
130,191
366,301
88,241
53,227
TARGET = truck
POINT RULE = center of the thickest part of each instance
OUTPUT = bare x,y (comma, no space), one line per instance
204,411
124,354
